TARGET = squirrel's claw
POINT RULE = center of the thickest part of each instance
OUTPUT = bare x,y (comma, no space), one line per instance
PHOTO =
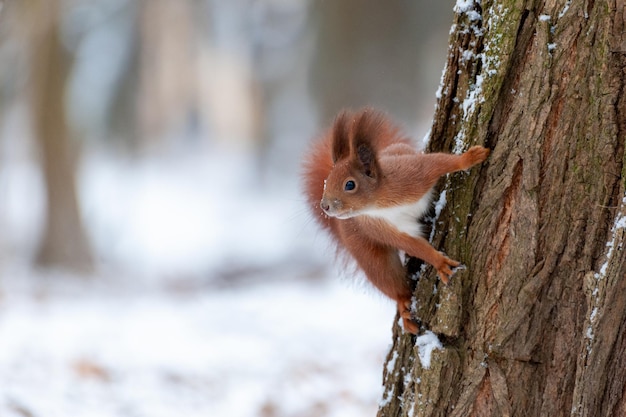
404,308
448,269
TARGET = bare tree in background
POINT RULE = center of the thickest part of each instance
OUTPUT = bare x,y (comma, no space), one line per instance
64,242
536,324
166,68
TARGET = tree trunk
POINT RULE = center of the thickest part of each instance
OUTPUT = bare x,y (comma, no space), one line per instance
64,242
166,70
536,323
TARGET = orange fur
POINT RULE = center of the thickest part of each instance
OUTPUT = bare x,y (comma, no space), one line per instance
368,186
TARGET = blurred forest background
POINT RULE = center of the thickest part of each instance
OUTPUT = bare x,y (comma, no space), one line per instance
158,142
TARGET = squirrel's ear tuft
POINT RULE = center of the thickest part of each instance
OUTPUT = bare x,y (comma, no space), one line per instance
367,159
368,127
340,135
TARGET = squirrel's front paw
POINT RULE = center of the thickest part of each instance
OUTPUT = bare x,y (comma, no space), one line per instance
475,155
444,269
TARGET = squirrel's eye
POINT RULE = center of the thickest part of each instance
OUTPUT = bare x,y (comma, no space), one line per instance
349,186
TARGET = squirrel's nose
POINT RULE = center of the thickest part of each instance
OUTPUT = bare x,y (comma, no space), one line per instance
324,205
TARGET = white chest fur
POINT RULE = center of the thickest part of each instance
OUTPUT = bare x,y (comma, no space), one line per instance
404,217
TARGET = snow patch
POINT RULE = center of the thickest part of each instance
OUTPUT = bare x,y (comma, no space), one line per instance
439,205
463,6
426,343
565,8
392,362
387,397
488,60
612,244
618,225
467,7
426,137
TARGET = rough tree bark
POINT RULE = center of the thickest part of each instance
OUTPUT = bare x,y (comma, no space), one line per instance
536,323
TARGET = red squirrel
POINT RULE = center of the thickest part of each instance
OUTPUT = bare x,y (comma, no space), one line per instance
369,187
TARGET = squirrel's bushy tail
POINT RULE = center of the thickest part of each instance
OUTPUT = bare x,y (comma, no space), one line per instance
317,166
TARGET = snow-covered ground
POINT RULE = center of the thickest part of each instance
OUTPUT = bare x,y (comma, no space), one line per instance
69,348
213,298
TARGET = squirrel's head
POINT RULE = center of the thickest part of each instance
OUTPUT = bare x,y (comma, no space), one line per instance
356,174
